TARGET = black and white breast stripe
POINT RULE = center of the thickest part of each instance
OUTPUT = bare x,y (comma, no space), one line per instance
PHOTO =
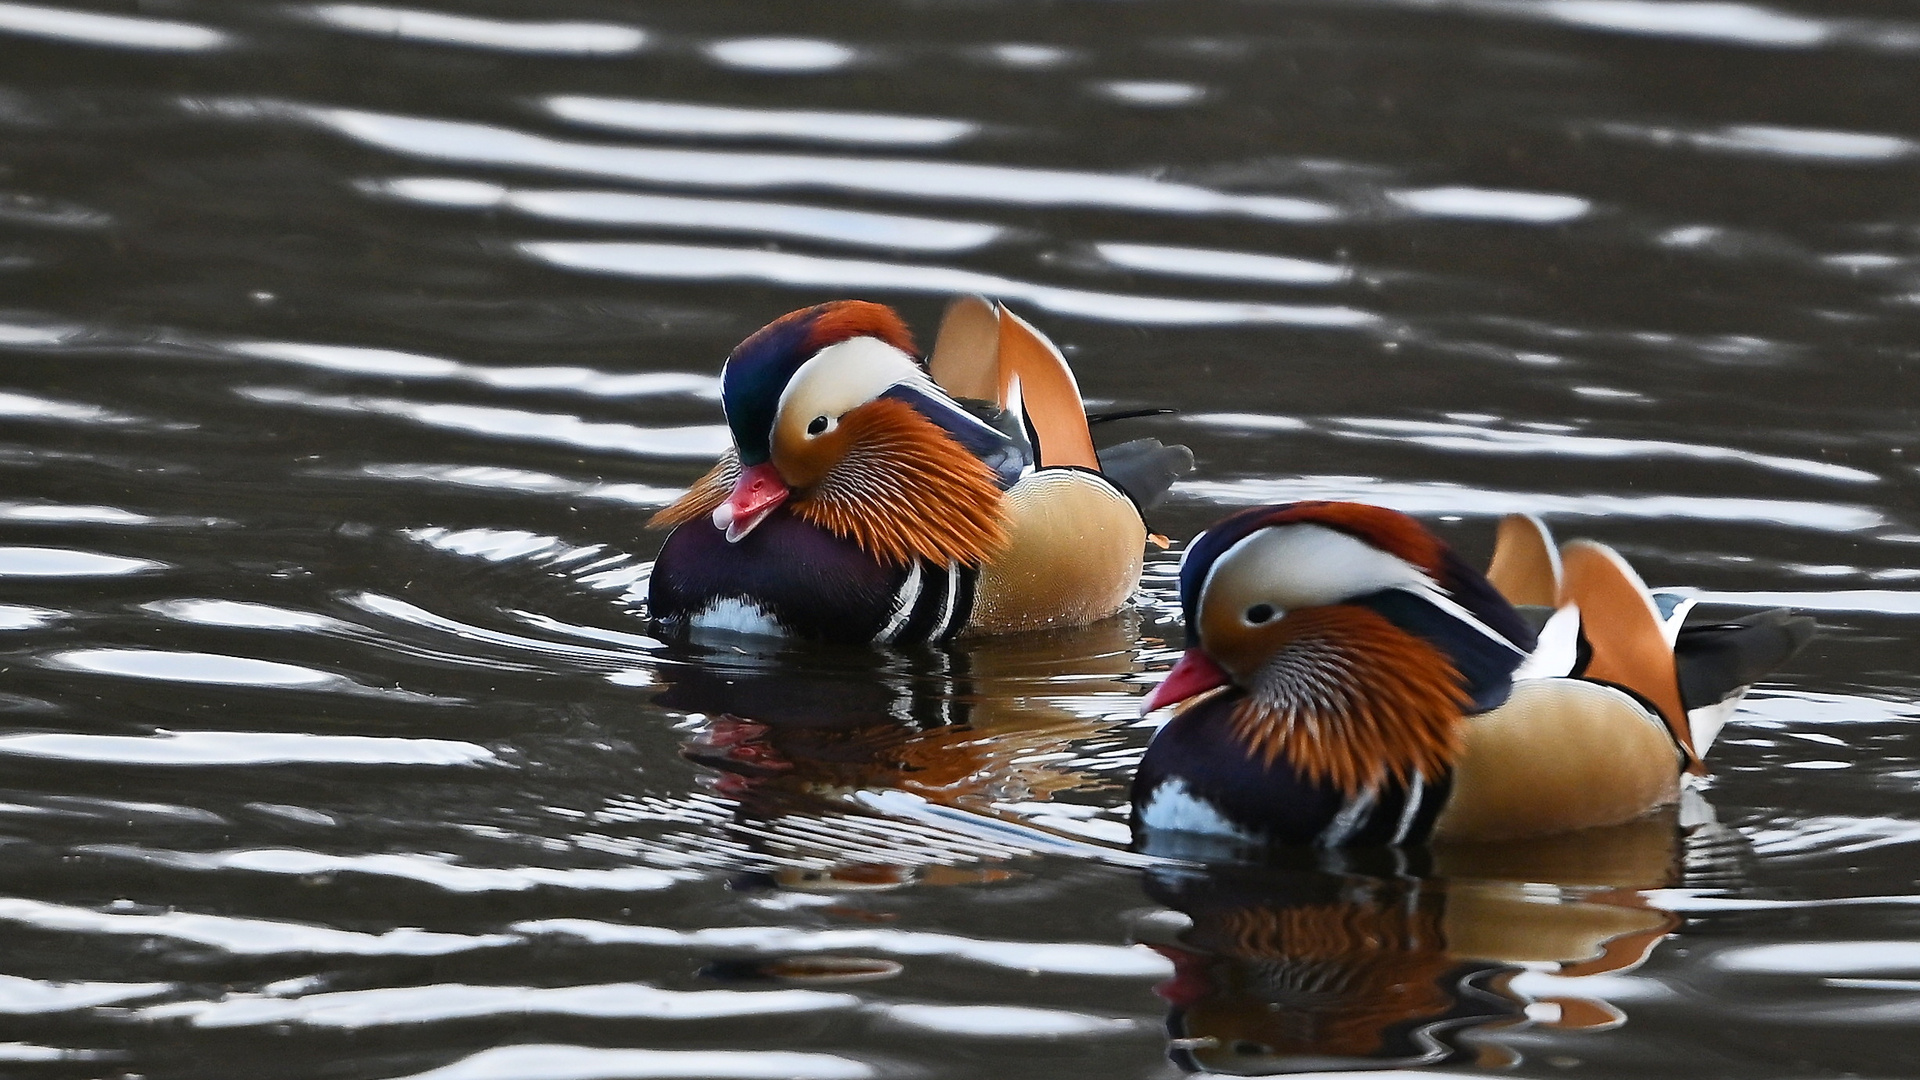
1394,816
931,605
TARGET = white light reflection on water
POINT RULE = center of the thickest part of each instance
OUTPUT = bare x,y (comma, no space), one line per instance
27,407
22,997
22,617
1416,497
1715,21
240,936
76,515
1028,55
1803,707
520,481
1225,265
851,227
554,38
386,1006
702,442
19,1051
393,364
482,144
793,56
63,562
1474,438
227,748
244,615
1878,601
685,263
1822,958
737,122
117,31
1710,20
1002,1021
560,1062
1045,957
194,667
1804,144
1481,204
434,870
1153,95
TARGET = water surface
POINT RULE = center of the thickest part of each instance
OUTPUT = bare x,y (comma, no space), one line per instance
344,349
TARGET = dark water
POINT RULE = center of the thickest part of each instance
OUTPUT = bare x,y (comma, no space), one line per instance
346,349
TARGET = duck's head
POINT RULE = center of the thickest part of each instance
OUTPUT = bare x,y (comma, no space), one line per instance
1356,639
832,414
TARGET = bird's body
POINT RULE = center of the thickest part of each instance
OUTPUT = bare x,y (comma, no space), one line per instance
1367,687
873,498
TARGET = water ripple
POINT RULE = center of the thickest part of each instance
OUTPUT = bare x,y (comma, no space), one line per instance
685,263
553,38
1479,439
228,748
557,1062
63,562
1803,144
700,442
853,227
1445,498
393,364
738,122
1042,957
22,617
245,616
28,407
21,997
1224,265
437,871
1481,204
385,1006
118,31
1153,95
522,481
1880,601
482,144
215,669
241,936
789,56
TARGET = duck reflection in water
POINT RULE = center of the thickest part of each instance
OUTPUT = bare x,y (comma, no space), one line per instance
793,732
1391,958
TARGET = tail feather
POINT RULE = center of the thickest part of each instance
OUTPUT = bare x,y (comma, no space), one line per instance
1717,660
1145,469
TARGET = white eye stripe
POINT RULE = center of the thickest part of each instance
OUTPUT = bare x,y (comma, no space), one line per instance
1302,565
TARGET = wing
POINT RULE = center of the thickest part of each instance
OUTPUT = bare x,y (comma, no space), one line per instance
1525,567
1626,634
986,352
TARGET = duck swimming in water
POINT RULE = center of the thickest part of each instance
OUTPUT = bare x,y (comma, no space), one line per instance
1350,680
873,497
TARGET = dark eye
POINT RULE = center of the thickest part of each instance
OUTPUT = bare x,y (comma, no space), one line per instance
818,425
1259,613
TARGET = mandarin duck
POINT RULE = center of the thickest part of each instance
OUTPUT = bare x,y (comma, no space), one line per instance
1364,685
871,497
